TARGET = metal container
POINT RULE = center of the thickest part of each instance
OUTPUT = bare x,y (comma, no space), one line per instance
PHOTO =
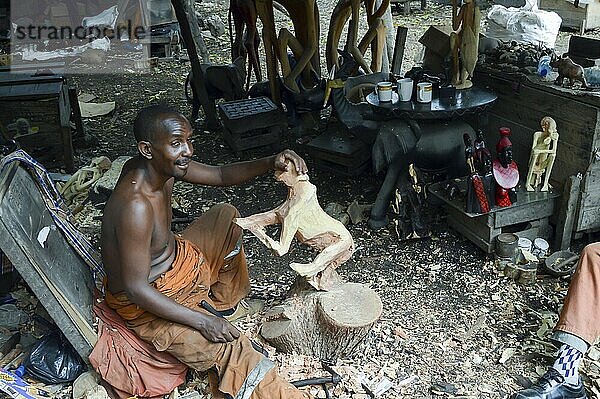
527,273
540,248
506,245
510,270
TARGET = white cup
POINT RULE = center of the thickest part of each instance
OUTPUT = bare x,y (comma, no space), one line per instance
405,88
424,92
540,247
525,244
384,91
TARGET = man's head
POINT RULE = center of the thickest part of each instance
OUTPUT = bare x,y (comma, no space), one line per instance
163,137
290,176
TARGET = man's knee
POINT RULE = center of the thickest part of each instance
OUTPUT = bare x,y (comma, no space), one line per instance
591,250
227,210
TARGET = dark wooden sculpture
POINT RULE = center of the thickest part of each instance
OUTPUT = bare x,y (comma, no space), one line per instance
480,179
396,144
506,172
569,70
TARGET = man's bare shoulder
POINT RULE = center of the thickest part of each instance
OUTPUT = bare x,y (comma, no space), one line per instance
129,207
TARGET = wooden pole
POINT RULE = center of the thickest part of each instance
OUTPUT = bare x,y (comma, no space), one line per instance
401,33
198,81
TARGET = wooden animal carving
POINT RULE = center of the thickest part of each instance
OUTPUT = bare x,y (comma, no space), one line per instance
568,69
464,41
543,154
376,33
246,42
302,216
304,43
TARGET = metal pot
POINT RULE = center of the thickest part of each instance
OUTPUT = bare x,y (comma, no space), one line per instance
506,245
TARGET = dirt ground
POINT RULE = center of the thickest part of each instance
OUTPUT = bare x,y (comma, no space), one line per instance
452,326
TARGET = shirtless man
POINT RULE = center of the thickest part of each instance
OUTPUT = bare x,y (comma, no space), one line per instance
156,279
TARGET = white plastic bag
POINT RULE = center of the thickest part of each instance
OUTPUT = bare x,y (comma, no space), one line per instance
107,18
525,24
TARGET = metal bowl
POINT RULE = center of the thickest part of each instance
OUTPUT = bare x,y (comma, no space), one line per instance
553,263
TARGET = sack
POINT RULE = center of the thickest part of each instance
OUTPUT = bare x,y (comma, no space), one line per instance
526,24
54,361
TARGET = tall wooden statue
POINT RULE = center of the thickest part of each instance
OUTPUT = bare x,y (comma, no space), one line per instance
464,41
304,43
477,200
375,35
543,153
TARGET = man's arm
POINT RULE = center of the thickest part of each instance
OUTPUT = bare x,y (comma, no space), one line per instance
239,172
134,234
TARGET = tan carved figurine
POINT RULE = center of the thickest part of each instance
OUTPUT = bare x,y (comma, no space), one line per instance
543,154
374,37
302,216
464,41
304,43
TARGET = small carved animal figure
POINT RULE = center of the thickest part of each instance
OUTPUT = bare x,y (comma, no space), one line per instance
568,69
221,81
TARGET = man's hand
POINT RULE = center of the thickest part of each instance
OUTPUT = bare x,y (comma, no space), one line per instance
283,157
217,329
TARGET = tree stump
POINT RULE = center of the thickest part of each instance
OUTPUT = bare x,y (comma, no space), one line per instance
323,324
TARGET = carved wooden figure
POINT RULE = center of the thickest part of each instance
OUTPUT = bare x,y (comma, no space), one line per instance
245,44
304,43
505,170
464,41
543,154
375,34
302,216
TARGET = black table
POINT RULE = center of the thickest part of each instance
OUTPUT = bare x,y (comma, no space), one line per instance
469,101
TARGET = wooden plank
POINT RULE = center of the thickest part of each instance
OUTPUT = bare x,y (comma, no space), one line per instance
591,182
589,210
525,212
496,79
567,212
486,244
576,122
399,45
59,278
